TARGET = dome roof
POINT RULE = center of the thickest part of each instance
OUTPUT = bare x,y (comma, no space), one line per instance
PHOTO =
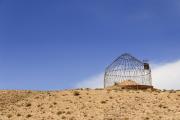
125,62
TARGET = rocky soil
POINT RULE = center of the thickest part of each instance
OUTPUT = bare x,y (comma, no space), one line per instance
88,104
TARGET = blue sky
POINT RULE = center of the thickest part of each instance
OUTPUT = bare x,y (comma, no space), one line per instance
56,44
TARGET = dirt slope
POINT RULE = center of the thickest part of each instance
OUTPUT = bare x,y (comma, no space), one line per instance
90,105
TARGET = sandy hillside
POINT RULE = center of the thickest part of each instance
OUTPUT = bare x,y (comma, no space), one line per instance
90,105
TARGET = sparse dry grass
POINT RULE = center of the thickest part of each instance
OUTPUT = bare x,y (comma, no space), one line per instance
86,104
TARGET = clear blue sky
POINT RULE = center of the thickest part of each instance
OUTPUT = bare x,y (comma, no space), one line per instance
54,44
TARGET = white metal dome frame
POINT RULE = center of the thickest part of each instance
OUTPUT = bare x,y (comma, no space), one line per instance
127,67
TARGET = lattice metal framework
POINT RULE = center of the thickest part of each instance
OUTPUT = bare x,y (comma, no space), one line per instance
127,67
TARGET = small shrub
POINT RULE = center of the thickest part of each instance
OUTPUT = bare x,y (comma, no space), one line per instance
76,93
9,115
172,91
108,91
164,107
103,102
38,105
87,89
18,114
72,118
68,112
98,88
50,106
164,90
28,116
37,97
59,112
63,117
54,103
160,105
64,95
115,83
29,92
28,104
147,118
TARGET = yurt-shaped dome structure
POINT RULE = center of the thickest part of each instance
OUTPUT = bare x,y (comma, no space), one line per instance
127,71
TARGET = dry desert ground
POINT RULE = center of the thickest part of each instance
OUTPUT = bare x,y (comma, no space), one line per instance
90,104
